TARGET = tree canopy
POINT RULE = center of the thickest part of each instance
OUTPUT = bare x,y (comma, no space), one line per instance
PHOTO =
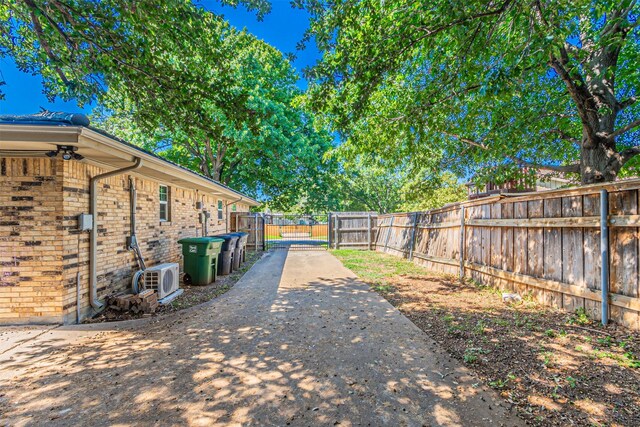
180,81
369,183
465,84
273,153
81,48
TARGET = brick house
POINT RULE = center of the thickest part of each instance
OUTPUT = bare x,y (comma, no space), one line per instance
49,272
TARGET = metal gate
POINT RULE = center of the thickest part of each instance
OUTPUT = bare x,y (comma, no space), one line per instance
296,231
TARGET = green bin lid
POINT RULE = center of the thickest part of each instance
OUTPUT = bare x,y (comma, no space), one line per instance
200,240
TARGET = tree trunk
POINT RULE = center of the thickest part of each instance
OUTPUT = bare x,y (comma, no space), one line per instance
216,173
593,91
594,164
598,154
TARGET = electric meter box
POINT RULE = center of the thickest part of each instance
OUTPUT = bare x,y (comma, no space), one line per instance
85,222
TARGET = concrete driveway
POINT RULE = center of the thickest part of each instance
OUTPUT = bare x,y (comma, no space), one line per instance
298,341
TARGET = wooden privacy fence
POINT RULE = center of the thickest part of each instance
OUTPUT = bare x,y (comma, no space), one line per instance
252,223
545,244
352,230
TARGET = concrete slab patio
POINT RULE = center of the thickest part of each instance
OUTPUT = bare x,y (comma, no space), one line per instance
298,341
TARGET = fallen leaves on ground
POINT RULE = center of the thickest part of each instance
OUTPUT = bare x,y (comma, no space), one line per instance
554,367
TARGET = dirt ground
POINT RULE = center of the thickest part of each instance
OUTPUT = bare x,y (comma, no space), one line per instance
555,368
193,295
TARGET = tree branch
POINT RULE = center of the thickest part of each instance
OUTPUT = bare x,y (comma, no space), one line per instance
565,136
618,160
43,40
574,168
427,32
577,92
622,130
628,154
626,103
467,140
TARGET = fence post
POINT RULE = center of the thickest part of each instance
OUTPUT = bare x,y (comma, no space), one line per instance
604,254
255,230
462,241
264,231
336,231
369,231
413,235
329,231
386,242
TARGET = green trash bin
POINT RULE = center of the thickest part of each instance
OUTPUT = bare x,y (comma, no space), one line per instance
200,259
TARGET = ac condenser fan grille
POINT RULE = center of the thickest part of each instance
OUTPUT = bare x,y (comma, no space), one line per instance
167,282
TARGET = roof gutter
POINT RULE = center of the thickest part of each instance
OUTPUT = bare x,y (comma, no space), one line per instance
93,252
152,158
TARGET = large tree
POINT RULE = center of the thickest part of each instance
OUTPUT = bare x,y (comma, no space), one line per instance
273,153
369,183
146,48
471,83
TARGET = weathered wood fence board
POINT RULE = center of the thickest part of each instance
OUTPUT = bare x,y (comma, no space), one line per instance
352,230
544,244
252,223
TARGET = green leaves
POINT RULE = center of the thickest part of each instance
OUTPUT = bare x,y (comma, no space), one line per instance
82,48
369,183
469,84
262,144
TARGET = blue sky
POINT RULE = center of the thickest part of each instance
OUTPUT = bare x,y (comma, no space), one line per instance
282,28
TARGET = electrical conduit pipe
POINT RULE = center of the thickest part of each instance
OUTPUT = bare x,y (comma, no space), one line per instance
93,250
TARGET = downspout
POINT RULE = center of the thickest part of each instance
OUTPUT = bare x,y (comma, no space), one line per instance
226,211
604,255
93,250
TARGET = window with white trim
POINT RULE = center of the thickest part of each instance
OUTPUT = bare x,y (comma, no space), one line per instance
164,203
220,210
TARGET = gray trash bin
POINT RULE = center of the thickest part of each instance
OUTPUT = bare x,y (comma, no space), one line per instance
225,259
241,248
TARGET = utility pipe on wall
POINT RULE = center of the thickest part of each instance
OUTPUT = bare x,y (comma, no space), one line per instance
93,250
604,254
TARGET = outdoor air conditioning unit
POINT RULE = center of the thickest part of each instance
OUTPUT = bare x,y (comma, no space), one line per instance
163,278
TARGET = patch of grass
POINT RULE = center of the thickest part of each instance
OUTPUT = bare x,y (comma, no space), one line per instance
631,360
605,342
377,268
448,318
523,321
501,322
480,327
627,359
471,354
383,288
502,383
547,358
580,317
550,333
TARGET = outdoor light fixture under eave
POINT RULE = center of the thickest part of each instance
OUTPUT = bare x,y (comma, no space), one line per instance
68,152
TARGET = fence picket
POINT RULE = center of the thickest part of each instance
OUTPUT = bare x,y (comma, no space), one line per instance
545,244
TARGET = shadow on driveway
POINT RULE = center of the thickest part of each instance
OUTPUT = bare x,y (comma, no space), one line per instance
298,341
